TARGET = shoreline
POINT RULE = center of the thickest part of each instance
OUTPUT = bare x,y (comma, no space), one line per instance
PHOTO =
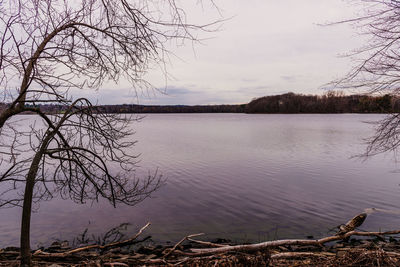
355,252
348,247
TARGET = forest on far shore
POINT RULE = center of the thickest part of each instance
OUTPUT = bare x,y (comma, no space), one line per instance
331,102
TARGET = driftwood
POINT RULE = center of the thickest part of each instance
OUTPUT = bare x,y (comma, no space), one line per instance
180,242
206,243
298,242
123,243
355,222
116,264
318,252
301,255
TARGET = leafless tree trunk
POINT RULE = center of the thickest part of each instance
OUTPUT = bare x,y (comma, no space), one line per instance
49,47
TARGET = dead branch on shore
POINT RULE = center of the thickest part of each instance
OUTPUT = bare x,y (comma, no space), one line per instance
104,247
222,253
180,242
206,243
318,252
287,242
284,255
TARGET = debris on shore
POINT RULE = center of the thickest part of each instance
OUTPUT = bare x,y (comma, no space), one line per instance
351,248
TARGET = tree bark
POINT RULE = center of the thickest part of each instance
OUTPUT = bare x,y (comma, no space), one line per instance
8,113
27,204
26,211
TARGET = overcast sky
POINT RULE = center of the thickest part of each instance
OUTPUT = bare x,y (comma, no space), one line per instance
267,47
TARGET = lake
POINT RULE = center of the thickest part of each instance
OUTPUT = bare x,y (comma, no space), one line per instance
247,178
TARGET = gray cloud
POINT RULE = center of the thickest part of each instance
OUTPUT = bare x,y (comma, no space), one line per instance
267,47
289,78
173,91
249,80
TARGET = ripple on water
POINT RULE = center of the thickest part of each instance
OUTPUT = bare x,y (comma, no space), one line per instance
241,177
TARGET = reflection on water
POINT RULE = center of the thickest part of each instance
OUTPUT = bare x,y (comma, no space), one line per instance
241,177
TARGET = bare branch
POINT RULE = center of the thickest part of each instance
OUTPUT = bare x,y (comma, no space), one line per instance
48,47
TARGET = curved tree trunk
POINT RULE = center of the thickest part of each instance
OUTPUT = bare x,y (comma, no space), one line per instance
26,211
28,198
8,113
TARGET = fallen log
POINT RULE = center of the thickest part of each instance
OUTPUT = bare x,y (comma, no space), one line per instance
285,255
299,242
355,222
253,247
250,253
206,243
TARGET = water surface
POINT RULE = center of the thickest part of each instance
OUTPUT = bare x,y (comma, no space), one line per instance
243,177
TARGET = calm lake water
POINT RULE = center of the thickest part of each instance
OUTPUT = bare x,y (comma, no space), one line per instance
241,177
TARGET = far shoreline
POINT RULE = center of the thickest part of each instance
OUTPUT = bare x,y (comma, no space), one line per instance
290,103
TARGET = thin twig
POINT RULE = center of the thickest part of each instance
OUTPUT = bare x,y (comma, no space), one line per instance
180,242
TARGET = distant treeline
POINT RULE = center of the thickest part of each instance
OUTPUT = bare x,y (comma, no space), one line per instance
174,109
131,108
332,102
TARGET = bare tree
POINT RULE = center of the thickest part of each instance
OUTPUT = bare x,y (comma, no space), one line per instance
49,47
377,68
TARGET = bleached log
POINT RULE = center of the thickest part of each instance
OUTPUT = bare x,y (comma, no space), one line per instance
285,255
252,247
299,242
206,243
